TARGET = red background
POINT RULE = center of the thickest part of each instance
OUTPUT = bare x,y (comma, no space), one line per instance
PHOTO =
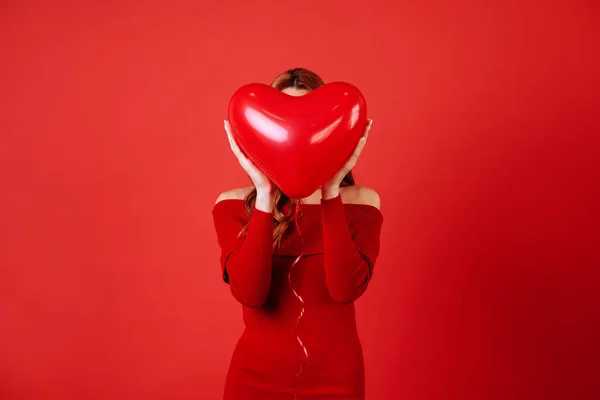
483,149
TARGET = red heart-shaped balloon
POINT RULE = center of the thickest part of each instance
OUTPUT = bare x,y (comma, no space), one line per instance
299,142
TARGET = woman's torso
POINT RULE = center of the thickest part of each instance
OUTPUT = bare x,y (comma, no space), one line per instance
268,354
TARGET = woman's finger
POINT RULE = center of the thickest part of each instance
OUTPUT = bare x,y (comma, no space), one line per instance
359,148
368,128
243,160
228,131
232,142
233,145
226,126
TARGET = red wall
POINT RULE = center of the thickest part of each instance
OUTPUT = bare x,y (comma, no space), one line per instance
484,150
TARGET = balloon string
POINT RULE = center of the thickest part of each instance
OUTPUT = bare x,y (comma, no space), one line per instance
299,231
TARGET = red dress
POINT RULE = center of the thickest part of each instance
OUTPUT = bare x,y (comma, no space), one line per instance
341,244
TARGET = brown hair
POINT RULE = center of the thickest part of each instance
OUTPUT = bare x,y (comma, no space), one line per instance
285,208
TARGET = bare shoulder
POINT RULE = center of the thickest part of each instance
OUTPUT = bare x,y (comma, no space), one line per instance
360,195
235,194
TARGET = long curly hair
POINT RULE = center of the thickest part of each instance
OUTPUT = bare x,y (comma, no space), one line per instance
299,78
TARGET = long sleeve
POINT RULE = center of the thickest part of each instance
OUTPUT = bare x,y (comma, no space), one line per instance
245,261
349,257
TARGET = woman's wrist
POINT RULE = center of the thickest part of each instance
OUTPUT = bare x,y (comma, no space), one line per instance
330,192
265,200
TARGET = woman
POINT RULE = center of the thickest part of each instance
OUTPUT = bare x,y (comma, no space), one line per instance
340,226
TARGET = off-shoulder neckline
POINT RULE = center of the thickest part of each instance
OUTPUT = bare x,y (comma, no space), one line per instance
310,205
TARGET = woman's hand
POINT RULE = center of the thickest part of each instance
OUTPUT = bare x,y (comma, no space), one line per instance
263,185
332,188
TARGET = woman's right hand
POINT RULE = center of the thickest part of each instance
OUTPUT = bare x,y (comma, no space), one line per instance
263,185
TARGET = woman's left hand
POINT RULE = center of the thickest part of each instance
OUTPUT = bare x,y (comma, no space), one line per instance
331,189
